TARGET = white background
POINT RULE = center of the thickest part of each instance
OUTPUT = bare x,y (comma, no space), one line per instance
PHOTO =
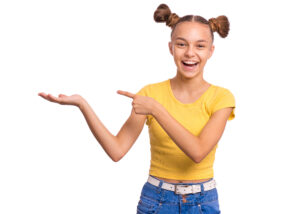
51,163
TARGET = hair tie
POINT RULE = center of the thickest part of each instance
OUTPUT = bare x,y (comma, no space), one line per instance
172,19
214,24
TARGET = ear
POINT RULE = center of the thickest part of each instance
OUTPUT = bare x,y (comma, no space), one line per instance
170,47
211,50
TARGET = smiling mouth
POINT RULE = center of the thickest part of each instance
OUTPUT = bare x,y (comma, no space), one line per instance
189,64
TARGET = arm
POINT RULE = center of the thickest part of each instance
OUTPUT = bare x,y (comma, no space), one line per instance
114,146
196,147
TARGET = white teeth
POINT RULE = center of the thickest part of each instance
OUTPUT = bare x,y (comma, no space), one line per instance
189,62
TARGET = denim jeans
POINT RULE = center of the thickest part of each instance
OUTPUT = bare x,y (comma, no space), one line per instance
156,200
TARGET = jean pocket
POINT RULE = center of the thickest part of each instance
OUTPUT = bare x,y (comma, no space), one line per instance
146,205
209,196
211,207
209,202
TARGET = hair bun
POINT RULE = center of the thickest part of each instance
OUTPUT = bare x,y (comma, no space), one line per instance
220,24
163,14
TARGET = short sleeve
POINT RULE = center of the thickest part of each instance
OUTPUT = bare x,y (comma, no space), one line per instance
142,91
224,100
145,92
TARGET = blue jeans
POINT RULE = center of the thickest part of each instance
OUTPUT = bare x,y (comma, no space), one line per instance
156,200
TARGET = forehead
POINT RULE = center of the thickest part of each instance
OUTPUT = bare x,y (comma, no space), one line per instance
192,31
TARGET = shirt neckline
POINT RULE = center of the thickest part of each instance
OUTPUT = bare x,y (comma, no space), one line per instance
186,104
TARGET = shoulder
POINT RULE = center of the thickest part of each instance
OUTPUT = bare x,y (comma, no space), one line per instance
162,83
220,90
152,88
221,97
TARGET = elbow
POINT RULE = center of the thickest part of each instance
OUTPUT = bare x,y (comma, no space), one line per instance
198,154
116,154
198,158
117,158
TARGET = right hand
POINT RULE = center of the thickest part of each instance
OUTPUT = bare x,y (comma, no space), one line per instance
62,99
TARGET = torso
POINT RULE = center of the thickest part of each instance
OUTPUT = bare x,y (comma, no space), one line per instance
183,181
187,100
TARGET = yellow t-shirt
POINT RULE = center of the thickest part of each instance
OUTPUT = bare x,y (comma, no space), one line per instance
167,159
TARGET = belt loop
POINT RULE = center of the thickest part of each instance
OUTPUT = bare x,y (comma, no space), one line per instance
202,189
159,186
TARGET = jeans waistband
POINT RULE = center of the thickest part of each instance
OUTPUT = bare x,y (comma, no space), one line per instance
182,188
185,183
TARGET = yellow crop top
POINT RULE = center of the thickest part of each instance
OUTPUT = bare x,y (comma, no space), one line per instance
167,159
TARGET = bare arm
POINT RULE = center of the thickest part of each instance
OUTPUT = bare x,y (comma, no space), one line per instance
196,147
114,146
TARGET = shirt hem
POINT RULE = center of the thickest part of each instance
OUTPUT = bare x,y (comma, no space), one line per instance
189,177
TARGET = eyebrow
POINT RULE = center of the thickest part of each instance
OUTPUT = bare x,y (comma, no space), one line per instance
200,40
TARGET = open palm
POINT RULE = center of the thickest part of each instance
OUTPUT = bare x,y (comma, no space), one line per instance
62,99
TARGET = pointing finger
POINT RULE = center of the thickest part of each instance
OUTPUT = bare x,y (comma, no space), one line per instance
126,93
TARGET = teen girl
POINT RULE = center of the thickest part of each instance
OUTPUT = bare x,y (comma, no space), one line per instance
186,117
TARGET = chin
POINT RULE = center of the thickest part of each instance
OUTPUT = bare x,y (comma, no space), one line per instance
189,74
183,75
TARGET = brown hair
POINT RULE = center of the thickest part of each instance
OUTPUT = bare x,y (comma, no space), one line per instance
219,24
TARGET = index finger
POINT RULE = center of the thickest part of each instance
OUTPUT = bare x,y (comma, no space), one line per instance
126,93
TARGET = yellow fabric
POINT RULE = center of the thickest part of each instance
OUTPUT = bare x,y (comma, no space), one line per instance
167,159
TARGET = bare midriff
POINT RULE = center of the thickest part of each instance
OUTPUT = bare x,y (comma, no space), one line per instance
183,181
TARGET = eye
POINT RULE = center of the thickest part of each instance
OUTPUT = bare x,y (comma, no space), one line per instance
180,44
201,46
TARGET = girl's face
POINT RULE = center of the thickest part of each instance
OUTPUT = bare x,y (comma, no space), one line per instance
191,46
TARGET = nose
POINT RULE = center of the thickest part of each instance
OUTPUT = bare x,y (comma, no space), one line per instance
189,51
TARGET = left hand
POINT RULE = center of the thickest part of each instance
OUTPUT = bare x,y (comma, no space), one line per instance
141,104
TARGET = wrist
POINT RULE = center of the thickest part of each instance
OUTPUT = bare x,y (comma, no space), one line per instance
157,108
81,103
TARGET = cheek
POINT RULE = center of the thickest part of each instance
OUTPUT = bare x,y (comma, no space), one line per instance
178,53
203,55
177,59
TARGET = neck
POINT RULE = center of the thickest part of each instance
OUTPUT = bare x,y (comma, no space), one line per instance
189,84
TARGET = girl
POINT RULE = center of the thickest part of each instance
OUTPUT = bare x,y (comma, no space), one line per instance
185,115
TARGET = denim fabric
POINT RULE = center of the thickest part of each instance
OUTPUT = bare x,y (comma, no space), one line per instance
156,200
